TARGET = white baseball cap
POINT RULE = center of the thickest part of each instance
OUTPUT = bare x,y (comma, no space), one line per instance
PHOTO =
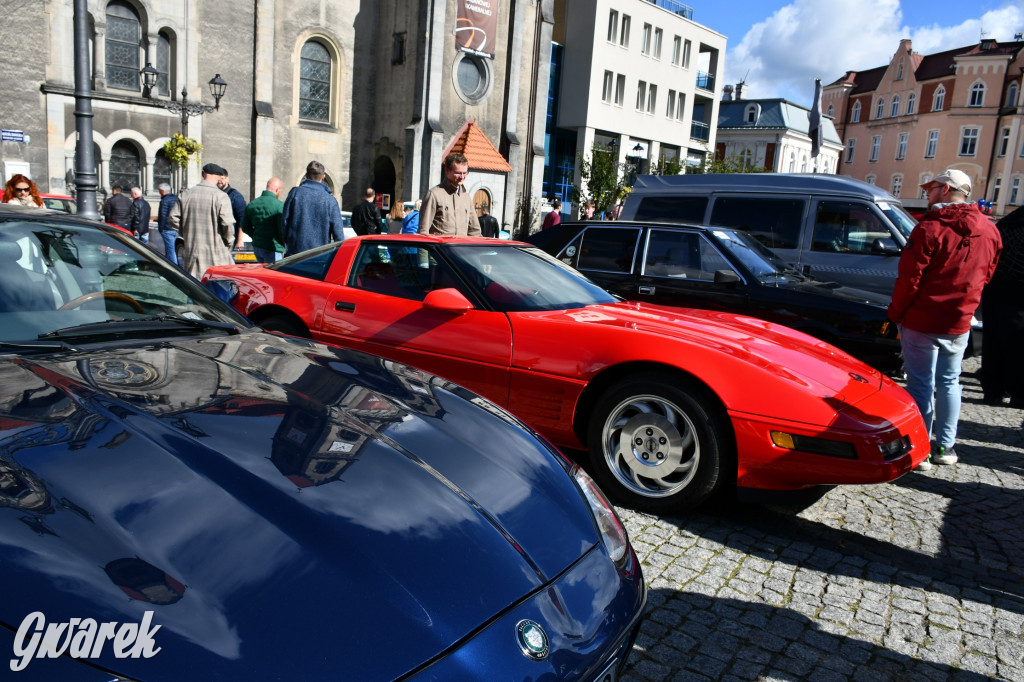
958,180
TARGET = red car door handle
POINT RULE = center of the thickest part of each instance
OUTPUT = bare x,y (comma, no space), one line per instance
345,307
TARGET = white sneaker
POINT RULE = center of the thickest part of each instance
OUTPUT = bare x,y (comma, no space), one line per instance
944,455
926,465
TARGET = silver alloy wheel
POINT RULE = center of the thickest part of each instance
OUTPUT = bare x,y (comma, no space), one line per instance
650,446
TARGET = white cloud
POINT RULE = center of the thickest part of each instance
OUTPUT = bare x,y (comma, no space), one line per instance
807,39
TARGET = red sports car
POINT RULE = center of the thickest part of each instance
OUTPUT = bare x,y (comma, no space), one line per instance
670,404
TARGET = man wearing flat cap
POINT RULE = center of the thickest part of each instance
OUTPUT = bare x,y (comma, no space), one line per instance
205,223
949,258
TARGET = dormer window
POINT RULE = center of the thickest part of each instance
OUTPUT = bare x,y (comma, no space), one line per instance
751,114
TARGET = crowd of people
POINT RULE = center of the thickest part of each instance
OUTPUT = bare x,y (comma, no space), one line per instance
955,258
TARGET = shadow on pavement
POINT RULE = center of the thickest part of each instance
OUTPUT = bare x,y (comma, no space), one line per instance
981,556
699,637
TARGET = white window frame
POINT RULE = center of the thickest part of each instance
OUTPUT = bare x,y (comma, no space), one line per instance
641,95
851,147
880,108
976,97
931,144
687,47
901,147
876,145
855,112
606,87
624,33
657,43
939,99
897,185
911,103
894,110
645,39
1014,192
1004,142
677,50
652,99
620,89
969,136
670,105
613,26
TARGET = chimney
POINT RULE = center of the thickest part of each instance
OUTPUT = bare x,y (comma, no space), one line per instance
727,93
739,90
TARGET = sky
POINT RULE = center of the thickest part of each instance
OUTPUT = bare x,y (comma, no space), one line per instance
778,47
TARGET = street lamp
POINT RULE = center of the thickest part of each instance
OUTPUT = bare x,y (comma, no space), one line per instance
184,108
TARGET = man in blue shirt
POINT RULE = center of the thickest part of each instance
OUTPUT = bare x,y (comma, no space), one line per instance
163,222
311,215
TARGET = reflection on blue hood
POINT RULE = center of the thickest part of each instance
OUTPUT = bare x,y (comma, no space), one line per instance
284,508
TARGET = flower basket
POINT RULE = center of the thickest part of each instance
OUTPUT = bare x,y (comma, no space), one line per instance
180,149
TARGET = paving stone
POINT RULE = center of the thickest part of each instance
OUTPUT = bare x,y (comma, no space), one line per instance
918,579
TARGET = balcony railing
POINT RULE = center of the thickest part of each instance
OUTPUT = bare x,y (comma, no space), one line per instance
706,81
675,7
700,131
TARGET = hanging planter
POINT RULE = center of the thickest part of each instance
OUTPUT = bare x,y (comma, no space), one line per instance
180,149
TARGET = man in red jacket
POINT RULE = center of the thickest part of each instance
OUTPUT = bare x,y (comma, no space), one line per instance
949,257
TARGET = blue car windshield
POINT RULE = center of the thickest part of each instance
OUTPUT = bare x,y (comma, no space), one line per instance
520,278
63,277
755,257
903,221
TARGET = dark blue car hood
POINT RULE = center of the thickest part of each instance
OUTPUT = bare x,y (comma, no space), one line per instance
351,524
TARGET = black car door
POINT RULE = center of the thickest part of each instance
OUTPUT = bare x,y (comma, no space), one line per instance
684,268
607,256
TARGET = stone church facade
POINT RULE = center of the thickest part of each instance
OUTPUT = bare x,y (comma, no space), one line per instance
376,90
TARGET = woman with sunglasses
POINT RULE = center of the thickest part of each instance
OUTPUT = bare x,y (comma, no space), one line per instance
21,190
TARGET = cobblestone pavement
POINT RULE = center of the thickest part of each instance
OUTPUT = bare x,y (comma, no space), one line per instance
918,579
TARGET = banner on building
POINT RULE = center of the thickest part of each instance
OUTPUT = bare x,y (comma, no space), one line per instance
476,26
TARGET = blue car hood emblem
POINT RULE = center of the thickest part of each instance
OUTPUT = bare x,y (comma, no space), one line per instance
532,640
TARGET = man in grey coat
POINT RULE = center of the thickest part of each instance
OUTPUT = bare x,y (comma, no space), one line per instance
205,224
311,216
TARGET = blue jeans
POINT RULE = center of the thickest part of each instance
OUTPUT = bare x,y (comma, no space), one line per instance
266,255
933,363
169,237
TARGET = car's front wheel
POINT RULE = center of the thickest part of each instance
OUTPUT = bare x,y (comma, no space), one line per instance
658,444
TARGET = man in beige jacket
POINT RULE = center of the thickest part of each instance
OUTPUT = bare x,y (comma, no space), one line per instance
448,208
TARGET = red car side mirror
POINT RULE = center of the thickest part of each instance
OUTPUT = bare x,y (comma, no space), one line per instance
449,299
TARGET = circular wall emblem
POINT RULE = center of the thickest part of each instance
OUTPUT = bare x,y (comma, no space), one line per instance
532,640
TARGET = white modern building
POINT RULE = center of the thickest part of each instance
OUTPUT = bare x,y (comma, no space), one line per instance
636,75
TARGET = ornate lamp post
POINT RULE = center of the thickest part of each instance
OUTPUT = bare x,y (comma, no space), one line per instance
184,108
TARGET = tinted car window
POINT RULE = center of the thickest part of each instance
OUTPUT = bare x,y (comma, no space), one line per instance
672,209
682,255
312,264
403,271
524,279
608,249
774,222
847,227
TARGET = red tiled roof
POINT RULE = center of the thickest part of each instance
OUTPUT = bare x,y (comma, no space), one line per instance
472,143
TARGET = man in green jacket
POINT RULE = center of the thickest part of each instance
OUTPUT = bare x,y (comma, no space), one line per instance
262,222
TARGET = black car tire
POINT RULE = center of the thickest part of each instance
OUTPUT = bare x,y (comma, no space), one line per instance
285,325
659,445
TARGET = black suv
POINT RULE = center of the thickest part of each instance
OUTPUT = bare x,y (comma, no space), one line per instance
718,268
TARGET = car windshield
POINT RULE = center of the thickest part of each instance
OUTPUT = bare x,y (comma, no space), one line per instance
64,281
520,278
756,258
903,221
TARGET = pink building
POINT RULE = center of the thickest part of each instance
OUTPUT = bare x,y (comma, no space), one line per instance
904,123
